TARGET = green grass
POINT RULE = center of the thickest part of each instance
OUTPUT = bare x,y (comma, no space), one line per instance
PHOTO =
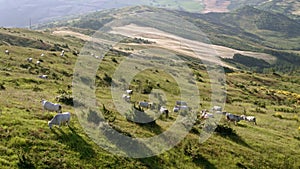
27,141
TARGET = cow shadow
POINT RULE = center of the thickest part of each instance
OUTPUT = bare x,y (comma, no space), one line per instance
203,163
228,133
153,127
125,142
75,142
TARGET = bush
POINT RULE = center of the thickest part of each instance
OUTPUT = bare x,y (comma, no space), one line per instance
114,60
107,79
108,115
147,89
278,115
2,87
65,99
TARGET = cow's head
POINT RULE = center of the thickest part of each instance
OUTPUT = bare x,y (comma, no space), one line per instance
50,124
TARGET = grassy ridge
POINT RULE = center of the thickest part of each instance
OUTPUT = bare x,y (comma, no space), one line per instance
26,140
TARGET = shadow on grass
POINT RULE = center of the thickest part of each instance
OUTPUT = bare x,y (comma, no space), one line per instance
152,162
229,133
125,143
203,163
75,142
153,127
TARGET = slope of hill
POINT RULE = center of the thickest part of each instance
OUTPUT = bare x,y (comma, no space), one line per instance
246,29
27,141
288,7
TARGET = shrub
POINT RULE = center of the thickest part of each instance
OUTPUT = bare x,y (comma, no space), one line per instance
114,60
277,114
2,87
65,99
108,115
107,79
147,89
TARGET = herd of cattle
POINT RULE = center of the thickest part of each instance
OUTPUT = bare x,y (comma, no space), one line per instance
64,118
229,117
61,118
182,106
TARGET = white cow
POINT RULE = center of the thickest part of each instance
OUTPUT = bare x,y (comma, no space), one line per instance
62,53
29,60
181,103
43,76
42,55
7,52
38,63
126,97
129,91
206,115
59,119
145,104
51,106
233,117
216,108
176,109
164,110
249,119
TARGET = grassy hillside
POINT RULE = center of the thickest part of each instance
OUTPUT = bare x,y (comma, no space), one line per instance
289,8
27,141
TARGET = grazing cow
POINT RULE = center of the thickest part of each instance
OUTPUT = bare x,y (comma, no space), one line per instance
181,103
42,55
129,91
249,119
62,53
126,97
29,60
38,63
59,119
216,108
206,115
51,106
233,117
164,110
7,52
43,76
176,109
145,104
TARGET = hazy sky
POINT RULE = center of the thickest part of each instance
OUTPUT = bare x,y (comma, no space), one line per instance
17,13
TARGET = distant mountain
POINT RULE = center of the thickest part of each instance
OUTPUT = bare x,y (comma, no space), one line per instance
290,8
246,29
19,13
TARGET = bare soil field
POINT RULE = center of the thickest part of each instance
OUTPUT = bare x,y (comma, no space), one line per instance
216,6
